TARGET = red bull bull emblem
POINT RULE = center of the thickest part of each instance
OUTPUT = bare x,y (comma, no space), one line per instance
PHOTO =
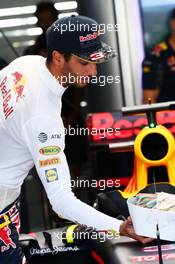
19,84
5,233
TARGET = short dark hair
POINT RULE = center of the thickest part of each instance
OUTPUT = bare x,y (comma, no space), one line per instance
42,6
49,55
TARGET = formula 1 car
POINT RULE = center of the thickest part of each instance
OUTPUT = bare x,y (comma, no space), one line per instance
154,155
154,161
47,248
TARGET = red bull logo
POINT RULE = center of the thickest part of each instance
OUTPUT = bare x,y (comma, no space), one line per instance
19,84
89,37
6,93
18,87
5,233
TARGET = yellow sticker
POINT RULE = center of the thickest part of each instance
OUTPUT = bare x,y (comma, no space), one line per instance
48,162
51,175
50,150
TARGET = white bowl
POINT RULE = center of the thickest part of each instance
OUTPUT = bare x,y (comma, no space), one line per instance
145,221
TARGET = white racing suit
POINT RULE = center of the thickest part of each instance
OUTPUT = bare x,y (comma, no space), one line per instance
32,133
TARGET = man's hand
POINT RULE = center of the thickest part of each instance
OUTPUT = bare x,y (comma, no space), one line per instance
127,229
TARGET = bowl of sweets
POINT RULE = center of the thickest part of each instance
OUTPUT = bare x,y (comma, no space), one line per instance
149,210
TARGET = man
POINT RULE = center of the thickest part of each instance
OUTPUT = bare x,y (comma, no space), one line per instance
32,132
159,69
46,14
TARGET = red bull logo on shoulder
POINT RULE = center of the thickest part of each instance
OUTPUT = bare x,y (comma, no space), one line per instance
19,85
6,95
6,90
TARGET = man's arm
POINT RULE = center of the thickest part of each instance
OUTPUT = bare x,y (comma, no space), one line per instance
45,141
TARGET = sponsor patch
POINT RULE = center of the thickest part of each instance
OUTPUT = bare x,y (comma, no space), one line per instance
42,137
6,239
51,175
48,162
56,136
89,37
50,150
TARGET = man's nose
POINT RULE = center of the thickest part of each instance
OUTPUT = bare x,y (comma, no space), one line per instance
92,69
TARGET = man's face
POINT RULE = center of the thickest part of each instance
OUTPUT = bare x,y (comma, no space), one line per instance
78,72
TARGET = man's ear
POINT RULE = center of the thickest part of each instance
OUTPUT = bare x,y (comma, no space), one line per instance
57,58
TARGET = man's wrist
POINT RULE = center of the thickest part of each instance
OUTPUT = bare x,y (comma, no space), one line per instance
121,228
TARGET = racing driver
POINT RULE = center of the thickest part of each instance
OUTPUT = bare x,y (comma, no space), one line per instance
32,131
